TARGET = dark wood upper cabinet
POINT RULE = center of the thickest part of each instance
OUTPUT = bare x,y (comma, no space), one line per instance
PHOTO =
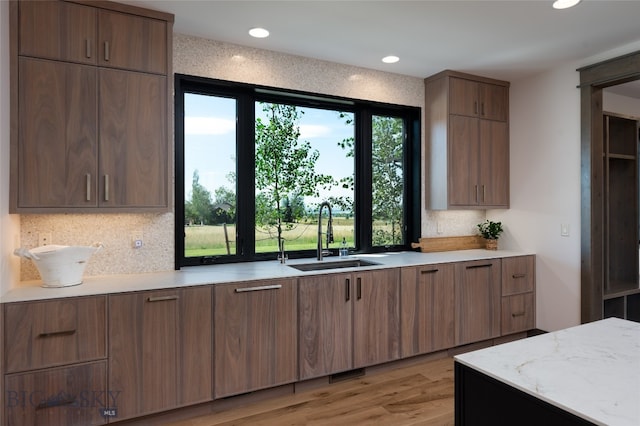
58,139
467,142
132,42
477,99
77,61
58,30
133,154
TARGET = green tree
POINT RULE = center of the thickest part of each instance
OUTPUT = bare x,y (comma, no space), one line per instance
285,167
198,209
387,179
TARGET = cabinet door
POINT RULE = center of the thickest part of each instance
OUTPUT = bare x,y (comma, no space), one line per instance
195,346
255,336
518,275
494,101
376,317
133,139
325,330
476,99
70,396
477,300
494,164
159,342
57,142
54,332
518,313
58,30
464,152
132,42
428,310
463,97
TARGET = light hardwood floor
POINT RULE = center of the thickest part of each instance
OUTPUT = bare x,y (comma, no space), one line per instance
420,394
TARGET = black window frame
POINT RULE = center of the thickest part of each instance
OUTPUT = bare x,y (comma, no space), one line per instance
247,95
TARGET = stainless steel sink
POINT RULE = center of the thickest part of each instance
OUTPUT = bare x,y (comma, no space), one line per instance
338,264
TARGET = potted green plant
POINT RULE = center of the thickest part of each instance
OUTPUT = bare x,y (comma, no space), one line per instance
490,231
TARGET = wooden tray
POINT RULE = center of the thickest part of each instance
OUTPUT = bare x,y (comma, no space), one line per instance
466,242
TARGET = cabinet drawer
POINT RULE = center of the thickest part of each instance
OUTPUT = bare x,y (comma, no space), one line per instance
518,313
518,275
55,332
59,396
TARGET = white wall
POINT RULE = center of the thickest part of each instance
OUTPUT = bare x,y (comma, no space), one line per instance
545,190
545,183
9,224
612,102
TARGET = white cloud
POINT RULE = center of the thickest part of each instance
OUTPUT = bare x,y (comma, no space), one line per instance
308,131
208,126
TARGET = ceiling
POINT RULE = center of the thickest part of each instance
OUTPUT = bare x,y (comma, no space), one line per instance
508,39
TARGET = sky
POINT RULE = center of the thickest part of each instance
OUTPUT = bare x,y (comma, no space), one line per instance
210,132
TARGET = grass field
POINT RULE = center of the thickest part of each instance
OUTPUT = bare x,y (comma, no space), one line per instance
210,240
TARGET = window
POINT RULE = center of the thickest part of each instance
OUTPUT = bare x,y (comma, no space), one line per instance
254,164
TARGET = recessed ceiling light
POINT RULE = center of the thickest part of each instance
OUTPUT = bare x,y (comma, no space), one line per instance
258,32
564,4
390,59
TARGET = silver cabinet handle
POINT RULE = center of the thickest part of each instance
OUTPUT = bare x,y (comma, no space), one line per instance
517,314
359,288
106,187
88,186
161,298
518,276
106,51
88,47
259,288
484,193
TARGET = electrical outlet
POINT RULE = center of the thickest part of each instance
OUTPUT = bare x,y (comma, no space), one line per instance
44,238
439,228
136,239
564,229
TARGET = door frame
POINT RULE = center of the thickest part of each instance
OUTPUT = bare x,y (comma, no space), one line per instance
593,79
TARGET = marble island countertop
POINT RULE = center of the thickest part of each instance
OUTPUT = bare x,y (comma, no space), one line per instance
235,272
592,370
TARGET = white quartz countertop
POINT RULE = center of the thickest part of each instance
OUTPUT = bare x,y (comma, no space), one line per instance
235,272
592,370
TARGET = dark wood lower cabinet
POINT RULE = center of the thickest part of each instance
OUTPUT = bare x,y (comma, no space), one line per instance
160,350
255,336
428,309
376,317
325,331
478,293
69,396
173,348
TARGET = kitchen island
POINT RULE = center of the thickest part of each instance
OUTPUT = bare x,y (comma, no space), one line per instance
584,375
